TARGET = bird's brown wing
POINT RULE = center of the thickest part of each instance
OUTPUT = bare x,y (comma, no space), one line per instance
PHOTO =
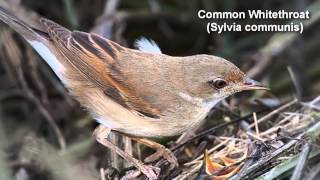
96,58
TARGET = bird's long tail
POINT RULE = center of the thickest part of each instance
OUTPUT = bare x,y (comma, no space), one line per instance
19,26
38,39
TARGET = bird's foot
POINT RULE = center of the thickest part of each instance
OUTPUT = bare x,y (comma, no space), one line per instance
166,154
150,171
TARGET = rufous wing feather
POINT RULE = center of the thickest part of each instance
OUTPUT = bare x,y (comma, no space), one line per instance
96,58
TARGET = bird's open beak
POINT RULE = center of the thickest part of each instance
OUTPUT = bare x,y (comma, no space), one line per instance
250,84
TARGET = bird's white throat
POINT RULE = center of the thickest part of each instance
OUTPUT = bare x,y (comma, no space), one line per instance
206,104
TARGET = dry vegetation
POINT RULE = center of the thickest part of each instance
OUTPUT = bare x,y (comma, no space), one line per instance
45,134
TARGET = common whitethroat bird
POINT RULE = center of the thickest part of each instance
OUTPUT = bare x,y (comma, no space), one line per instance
134,92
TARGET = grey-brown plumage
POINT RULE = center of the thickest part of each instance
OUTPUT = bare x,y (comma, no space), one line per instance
138,93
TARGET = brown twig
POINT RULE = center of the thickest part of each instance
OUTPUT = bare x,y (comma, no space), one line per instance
15,57
274,112
212,130
104,26
267,159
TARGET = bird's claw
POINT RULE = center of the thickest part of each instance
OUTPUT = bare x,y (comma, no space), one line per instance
166,154
151,172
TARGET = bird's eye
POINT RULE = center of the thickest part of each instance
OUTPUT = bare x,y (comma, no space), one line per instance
217,83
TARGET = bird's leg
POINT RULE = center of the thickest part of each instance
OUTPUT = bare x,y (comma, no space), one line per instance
161,151
101,134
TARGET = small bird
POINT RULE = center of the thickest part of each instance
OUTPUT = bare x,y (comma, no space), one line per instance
140,93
